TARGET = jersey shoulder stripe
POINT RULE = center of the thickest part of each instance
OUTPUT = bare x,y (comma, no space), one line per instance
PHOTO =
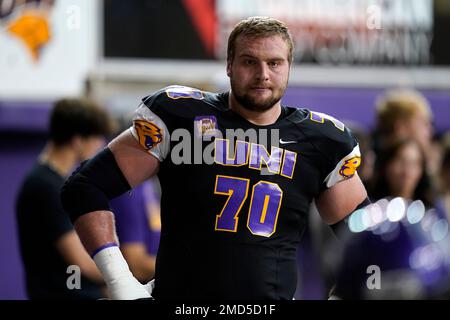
181,101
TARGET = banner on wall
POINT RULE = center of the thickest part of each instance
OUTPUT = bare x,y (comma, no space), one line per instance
28,21
345,32
47,47
342,32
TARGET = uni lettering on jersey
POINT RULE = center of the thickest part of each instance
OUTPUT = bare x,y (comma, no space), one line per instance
259,154
256,156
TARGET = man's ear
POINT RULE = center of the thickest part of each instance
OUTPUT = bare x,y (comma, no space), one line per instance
229,68
76,142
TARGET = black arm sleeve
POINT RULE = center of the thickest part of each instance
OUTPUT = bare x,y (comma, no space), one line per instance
93,184
340,228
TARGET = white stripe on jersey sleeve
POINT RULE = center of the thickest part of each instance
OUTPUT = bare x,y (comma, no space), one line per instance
334,176
161,150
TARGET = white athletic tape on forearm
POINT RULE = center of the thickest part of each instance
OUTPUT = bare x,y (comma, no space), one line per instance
121,283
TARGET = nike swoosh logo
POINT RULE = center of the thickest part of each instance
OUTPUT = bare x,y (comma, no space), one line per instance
287,142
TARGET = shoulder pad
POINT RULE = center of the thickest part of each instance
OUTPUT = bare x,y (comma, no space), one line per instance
177,100
174,92
333,140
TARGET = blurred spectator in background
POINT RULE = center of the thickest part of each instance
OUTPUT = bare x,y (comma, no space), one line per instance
397,260
444,201
48,241
405,113
400,169
138,223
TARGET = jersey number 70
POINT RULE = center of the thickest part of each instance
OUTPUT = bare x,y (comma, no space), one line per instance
265,203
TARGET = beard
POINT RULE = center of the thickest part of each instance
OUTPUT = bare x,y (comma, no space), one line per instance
254,104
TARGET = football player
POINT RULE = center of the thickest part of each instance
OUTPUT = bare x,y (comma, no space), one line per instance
230,226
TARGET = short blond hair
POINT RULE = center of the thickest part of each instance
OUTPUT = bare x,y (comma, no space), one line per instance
400,104
259,27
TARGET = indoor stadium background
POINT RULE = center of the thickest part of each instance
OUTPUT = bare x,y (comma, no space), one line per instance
347,53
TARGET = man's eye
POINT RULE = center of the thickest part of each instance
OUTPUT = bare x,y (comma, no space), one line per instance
249,62
273,64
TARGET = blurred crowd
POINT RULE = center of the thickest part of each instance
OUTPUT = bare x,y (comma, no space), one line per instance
402,159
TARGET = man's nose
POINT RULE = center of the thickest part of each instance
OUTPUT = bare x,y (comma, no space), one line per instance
262,72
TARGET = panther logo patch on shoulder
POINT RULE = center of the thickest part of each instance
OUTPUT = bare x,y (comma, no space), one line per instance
148,133
349,167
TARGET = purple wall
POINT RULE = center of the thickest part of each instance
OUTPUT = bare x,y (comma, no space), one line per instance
24,116
358,104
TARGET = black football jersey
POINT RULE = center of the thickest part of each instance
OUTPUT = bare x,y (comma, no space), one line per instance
234,207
